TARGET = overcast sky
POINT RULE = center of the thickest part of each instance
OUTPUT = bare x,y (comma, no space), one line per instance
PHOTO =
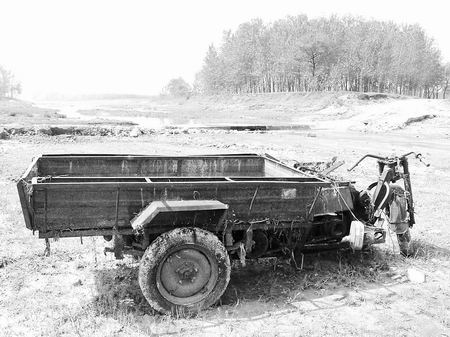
110,46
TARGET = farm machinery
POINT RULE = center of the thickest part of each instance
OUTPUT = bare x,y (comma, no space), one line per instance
186,217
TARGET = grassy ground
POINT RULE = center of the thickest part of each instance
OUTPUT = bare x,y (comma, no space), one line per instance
79,291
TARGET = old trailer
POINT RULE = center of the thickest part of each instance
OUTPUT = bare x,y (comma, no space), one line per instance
186,216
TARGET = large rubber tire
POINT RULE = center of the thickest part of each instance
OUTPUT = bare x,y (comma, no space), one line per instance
184,271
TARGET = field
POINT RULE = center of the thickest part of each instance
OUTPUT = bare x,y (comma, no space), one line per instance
80,291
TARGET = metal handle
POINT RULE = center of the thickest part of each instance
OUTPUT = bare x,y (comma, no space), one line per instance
420,157
393,159
364,157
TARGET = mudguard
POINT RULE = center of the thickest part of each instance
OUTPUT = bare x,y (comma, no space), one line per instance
165,206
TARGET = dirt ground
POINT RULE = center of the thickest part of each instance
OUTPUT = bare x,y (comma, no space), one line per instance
79,291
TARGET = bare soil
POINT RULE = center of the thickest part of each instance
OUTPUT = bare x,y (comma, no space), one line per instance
79,291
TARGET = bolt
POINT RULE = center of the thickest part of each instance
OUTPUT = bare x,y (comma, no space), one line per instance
196,270
180,282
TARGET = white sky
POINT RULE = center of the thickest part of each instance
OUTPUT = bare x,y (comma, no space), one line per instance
110,46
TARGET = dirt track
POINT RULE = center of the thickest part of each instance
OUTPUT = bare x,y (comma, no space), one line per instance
78,291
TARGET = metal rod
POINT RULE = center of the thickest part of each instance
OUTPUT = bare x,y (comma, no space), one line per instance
47,247
253,199
313,203
116,222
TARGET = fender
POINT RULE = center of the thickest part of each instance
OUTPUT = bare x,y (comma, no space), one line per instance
381,194
170,206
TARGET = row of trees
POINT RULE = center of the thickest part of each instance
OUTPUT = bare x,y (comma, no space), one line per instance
9,86
336,53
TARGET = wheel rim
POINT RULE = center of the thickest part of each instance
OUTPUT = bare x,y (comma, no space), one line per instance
187,275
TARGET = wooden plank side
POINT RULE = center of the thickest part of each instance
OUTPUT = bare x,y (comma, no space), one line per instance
78,207
151,166
110,167
104,194
209,167
133,198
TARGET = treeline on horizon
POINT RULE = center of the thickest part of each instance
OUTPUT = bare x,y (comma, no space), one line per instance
336,53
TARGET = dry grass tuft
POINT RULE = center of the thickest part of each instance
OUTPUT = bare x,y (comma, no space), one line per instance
119,292
425,251
277,281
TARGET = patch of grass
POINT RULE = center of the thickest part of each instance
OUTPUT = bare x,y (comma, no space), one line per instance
275,282
425,251
119,292
4,261
117,307
279,282
355,300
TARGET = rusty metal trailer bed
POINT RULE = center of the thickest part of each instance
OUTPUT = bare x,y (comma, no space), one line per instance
82,195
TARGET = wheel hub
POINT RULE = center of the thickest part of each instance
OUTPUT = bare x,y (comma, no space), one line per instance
185,273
